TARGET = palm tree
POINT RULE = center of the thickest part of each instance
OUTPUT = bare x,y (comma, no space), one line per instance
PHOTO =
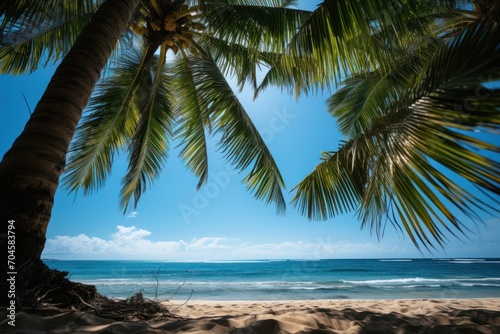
408,114
31,169
182,94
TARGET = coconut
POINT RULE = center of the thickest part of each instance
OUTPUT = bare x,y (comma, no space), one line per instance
169,26
170,41
156,25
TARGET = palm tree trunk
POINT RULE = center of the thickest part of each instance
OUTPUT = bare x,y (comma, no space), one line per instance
30,170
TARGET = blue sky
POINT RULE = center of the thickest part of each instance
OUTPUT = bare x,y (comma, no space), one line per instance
222,221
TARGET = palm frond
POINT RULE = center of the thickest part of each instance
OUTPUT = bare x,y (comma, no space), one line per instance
366,97
421,135
240,141
260,24
348,37
335,186
363,100
236,60
300,76
36,33
148,148
111,119
192,123
384,175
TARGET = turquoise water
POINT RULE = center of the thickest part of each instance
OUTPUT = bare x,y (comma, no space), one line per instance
281,280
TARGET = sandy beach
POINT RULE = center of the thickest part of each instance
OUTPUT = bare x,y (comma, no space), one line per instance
311,316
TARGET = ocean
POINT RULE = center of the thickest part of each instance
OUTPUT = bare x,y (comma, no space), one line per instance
290,279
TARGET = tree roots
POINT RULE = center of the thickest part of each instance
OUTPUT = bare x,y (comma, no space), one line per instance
46,292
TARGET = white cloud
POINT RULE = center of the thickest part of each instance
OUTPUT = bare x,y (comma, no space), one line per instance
133,243
133,214
128,242
129,234
208,243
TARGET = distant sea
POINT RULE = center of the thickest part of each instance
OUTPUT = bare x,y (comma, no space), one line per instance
290,279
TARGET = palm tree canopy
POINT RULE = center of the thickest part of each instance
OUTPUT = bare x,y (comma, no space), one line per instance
406,127
36,33
343,37
169,87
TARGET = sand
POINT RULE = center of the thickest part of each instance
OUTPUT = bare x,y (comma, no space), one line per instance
443,316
